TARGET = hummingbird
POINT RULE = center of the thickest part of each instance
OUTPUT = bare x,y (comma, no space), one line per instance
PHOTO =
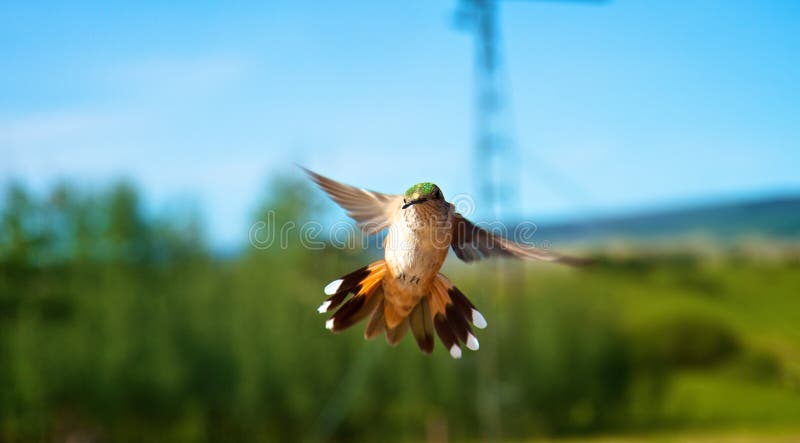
405,290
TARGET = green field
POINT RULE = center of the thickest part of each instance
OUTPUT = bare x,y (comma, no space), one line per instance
118,327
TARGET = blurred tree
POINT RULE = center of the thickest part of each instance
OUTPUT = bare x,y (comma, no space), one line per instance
117,325
127,235
18,238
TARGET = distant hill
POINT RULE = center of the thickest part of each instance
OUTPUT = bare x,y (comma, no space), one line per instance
777,218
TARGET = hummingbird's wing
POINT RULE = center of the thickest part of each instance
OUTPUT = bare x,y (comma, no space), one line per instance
372,211
471,243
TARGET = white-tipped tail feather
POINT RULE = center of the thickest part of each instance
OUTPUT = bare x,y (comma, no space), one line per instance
452,313
333,287
323,308
363,287
472,342
445,311
478,320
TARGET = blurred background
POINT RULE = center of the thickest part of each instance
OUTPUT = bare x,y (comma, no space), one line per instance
141,143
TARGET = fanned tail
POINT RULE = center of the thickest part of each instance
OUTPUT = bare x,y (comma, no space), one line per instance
446,310
452,314
365,285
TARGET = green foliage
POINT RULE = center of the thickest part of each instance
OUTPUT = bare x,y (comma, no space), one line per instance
687,342
119,326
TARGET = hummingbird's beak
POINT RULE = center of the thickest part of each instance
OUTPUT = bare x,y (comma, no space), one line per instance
414,202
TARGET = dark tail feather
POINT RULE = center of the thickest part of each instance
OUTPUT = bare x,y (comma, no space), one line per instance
376,325
452,314
365,285
395,334
421,324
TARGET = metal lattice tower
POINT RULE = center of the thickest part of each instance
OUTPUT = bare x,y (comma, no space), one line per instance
496,160
497,166
497,163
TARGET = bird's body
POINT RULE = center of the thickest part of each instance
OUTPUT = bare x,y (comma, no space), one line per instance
415,249
405,290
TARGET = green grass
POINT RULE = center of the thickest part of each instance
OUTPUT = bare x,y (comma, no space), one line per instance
743,435
120,328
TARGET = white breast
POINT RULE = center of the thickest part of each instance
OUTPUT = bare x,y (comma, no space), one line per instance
417,244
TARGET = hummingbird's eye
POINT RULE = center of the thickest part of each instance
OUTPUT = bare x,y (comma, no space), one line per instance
437,194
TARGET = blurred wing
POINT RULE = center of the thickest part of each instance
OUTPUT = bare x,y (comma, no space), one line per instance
372,211
471,243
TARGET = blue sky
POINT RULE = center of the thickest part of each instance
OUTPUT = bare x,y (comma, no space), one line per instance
629,104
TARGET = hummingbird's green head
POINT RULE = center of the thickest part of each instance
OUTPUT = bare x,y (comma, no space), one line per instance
420,193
